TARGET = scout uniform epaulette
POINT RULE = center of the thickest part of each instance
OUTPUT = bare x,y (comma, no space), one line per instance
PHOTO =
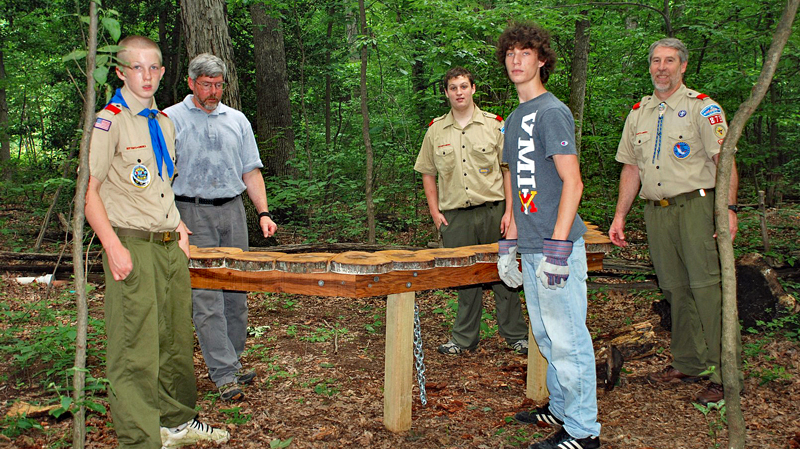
690,93
437,119
490,115
637,106
113,109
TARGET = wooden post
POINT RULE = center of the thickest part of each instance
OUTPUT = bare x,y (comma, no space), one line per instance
536,387
399,364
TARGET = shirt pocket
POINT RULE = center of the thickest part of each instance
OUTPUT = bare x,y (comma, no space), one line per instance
685,143
642,146
444,158
484,158
137,168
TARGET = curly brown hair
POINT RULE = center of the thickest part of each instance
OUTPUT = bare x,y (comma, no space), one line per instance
528,35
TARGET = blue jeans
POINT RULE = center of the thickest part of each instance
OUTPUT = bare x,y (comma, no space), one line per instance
558,322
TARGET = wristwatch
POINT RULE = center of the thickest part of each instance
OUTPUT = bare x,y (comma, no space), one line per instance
267,214
733,207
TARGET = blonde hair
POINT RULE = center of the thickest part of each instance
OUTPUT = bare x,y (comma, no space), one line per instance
138,42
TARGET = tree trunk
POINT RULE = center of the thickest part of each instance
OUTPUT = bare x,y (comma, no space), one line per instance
170,43
205,26
5,139
577,85
273,109
82,309
365,123
730,321
328,80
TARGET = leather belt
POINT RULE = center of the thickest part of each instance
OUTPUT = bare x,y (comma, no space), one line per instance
683,196
158,237
488,203
212,202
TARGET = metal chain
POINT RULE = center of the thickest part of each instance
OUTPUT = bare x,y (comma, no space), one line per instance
419,356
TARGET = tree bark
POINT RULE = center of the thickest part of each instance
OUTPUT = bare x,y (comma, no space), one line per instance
730,321
577,85
274,109
205,26
365,123
82,309
5,139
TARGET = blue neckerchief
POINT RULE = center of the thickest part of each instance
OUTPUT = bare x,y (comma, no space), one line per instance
156,136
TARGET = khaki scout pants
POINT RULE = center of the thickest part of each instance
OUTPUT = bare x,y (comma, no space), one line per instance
684,254
150,343
478,226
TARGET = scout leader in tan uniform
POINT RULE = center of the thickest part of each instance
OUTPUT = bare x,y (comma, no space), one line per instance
148,299
464,147
670,147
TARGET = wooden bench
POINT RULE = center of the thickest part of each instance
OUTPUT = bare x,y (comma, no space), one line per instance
396,274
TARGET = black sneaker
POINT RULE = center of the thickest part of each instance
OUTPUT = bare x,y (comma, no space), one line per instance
245,376
539,416
563,440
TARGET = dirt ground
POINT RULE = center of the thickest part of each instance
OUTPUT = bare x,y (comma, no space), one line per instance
320,379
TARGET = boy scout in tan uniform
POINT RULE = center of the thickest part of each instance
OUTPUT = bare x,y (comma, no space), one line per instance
464,147
131,207
670,146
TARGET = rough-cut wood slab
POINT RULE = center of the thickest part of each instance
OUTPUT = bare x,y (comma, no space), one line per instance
359,262
404,260
451,257
206,258
252,261
484,253
304,263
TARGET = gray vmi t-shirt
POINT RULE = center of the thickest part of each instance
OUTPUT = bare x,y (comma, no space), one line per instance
534,132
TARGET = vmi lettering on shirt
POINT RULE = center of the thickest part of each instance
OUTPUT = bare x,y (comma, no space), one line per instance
526,168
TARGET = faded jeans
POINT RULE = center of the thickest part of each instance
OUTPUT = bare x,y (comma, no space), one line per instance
558,322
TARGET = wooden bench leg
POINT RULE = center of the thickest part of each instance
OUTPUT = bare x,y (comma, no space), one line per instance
536,388
399,364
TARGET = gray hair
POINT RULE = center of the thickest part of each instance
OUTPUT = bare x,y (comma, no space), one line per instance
670,42
206,64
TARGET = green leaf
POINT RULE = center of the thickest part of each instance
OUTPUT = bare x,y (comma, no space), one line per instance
113,28
101,74
75,55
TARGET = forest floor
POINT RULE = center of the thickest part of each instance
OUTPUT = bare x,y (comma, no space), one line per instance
320,379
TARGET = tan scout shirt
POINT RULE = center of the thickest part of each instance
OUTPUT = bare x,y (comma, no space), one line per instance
692,132
121,157
467,160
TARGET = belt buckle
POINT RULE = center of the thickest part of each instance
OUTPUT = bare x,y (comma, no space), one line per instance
663,202
167,237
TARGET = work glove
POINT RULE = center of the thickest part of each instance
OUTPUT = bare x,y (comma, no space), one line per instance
507,265
554,270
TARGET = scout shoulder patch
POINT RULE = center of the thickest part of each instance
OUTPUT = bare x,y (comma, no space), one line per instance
436,119
494,116
112,109
102,124
637,106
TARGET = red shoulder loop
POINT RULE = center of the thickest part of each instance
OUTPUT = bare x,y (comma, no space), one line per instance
498,118
113,109
637,105
702,96
431,123
163,113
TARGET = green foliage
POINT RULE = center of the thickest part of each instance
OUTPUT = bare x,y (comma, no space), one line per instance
91,389
236,417
14,426
278,443
714,413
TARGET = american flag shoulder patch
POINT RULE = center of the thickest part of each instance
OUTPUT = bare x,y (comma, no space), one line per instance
102,123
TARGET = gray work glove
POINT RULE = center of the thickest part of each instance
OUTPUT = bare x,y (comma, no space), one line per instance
507,265
554,270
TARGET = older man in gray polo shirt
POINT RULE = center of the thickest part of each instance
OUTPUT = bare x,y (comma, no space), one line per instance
217,159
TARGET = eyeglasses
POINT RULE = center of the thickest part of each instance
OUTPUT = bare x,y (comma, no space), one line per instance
206,85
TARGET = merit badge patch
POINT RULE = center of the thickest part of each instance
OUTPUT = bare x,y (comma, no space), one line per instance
102,123
719,130
714,119
681,150
682,113
140,176
710,110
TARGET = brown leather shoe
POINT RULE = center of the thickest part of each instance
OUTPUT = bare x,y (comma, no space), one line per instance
712,393
671,375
